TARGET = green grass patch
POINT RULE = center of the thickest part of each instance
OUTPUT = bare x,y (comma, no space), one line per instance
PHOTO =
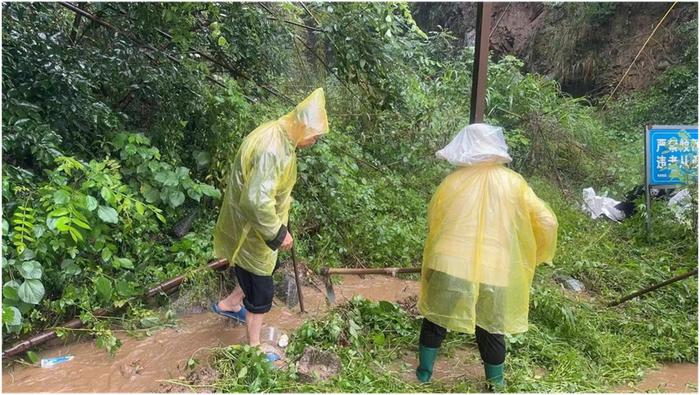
575,343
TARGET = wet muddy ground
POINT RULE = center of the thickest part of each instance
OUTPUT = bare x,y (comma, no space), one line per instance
141,365
146,365
669,378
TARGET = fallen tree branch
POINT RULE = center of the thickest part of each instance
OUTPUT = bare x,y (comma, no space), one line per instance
655,286
77,323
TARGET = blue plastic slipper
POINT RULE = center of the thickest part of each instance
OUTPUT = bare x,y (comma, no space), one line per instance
235,315
272,357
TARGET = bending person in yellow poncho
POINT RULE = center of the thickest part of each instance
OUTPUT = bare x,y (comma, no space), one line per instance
487,231
253,218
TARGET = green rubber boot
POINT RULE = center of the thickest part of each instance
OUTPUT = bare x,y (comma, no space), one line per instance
426,360
494,376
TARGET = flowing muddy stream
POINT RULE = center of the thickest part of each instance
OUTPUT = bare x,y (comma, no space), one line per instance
140,365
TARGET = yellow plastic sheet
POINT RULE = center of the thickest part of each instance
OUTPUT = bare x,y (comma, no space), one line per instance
260,181
487,231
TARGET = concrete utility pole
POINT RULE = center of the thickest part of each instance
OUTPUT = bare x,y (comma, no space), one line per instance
484,12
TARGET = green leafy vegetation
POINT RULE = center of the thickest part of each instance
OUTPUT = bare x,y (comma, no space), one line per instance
112,136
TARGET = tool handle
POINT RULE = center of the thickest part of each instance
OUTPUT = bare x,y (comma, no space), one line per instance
296,274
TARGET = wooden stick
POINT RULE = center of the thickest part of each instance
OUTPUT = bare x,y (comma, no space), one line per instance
392,271
44,337
175,282
296,275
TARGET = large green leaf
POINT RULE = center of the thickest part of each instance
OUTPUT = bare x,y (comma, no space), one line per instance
61,197
108,214
167,178
161,176
9,290
11,316
27,255
38,230
210,191
194,193
176,198
104,288
30,270
123,263
31,291
81,223
151,194
182,172
107,195
70,268
90,203
51,222
63,224
124,288
33,357
59,212
172,180
106,254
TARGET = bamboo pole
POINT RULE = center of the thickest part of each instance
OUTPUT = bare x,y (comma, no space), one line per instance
653,287
44,337
392,271
175,282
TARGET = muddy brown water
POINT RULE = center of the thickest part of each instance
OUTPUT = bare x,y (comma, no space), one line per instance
141,365
671,378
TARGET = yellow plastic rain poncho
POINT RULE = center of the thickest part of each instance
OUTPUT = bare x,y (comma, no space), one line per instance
486,233
258,193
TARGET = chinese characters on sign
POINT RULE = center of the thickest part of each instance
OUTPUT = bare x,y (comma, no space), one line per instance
672,154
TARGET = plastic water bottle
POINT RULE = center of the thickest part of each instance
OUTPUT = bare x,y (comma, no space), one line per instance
51,362
270,335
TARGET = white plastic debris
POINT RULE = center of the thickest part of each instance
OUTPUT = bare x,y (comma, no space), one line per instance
283,341
570,283
680,198
51,362
601,205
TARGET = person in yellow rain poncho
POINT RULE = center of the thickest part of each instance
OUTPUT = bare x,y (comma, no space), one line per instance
487,231
253,217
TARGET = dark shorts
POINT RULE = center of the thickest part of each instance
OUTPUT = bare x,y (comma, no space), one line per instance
258,290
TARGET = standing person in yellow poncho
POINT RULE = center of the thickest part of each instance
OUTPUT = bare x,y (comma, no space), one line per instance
487,231
252,222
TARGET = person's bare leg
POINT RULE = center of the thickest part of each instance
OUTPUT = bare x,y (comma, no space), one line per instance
254,323
233,301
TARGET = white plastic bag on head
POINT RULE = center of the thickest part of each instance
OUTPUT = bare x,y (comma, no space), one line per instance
475,144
